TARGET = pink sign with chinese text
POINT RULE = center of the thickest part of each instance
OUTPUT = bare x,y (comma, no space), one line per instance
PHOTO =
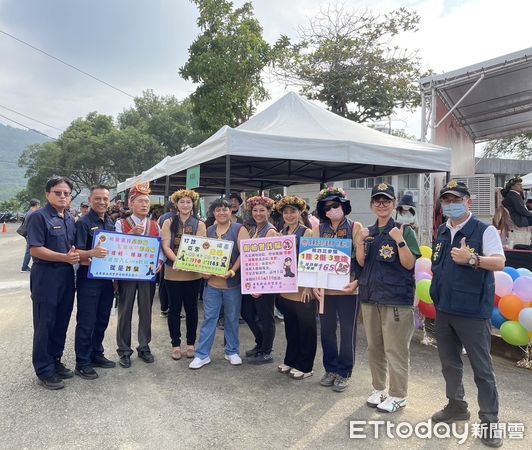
268,265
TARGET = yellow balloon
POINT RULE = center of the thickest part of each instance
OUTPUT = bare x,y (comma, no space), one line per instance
426,251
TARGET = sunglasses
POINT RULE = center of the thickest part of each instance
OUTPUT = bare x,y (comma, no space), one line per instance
61,193
334,205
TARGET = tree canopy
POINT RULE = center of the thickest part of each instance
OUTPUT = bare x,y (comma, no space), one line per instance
517,147
345,59
226,60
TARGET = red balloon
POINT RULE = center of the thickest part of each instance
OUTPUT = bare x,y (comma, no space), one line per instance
497,298
427,310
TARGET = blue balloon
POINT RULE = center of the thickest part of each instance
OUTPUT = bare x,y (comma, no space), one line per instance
512,272
497,319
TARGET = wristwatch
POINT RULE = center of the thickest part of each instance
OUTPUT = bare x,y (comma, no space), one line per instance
473,260
401,244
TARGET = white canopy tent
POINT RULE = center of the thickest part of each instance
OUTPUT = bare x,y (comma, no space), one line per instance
293,141
527,181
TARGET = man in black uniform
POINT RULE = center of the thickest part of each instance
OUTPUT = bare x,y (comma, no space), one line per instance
51,233
95,297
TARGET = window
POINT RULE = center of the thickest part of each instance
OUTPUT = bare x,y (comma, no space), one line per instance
387,180
410,181
359,183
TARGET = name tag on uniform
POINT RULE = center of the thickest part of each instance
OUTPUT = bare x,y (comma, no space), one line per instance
94,228
57,227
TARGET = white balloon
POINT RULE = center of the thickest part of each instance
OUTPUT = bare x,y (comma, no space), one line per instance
525,318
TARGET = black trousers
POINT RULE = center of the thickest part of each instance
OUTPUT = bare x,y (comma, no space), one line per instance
52,293
163,295
95,300
258,314
182,293
301,333
453,332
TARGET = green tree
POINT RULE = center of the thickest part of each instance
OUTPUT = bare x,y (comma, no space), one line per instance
227,60
345,59
168,121
90,151
517,147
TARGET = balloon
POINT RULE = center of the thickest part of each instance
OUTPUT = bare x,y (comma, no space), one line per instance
427,310
512,272
524,272
497,319
426,251
514,333
525,318
416,300
510,306
423,276
497,299
503,283
423,291
523,288
423,265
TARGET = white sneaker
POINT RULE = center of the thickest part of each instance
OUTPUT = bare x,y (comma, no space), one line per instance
376,398
298,375
391,404
234,359
283,368
198,363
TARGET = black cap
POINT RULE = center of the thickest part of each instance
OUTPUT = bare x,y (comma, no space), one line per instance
455,188
383,189
235,195
407,201
84,205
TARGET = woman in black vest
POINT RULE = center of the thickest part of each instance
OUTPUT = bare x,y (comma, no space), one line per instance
299,309
257,310
182,286
338,360
387,253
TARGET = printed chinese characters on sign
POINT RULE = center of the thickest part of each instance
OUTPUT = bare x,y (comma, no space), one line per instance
268,265
324,262
130,257
204,255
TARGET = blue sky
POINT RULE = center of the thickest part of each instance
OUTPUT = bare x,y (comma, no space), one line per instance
140,44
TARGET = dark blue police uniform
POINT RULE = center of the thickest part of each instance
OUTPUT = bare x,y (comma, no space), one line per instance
95,297
52,287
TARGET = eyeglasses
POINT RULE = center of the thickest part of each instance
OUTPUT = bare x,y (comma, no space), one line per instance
451,200
62,193
334,205
382,202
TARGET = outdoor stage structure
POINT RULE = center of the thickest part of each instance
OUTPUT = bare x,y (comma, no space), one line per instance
474,104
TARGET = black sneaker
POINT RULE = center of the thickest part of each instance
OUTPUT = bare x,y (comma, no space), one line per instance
260,358
103,362
86,372
489,436
61,371
146,356
125,361
53,382
253,351
452,412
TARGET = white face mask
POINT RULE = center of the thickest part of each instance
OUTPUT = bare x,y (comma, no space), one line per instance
335,213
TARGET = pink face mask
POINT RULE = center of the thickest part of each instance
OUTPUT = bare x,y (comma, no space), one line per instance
335,213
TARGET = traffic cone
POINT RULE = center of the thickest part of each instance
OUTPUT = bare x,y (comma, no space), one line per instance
4,228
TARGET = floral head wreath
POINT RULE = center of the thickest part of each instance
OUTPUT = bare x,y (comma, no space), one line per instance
177,195
330,192
139,189
293,201
259,200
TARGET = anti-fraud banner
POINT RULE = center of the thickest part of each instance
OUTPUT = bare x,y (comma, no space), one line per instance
324,262
268,265
204,255
130,256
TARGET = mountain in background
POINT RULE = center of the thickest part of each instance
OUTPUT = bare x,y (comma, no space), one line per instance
13,142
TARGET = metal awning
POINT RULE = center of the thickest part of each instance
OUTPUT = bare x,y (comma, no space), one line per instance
491,99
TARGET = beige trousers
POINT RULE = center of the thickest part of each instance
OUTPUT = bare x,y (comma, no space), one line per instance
389,330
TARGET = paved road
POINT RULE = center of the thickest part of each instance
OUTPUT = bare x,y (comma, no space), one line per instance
165,405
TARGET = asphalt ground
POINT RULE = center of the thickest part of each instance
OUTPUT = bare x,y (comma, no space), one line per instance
165,405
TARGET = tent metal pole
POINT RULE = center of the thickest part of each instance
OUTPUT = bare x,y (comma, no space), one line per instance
227,175
166,191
